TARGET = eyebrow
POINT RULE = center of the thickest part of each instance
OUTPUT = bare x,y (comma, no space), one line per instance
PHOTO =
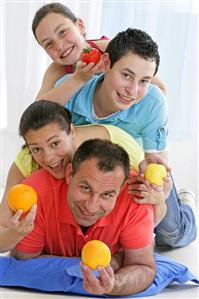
56,29
132,73
49,139
87,183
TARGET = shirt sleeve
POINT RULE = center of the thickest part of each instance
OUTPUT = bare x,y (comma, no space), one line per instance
155,132
138,227
25,162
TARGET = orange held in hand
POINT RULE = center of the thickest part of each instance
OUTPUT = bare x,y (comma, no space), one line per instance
155,174
21,196
96,253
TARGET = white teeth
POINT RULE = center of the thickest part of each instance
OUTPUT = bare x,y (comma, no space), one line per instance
126,98
67,52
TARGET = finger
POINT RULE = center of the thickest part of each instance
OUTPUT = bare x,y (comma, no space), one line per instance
17,216
30,217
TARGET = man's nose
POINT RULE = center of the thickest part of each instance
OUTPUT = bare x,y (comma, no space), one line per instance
92,204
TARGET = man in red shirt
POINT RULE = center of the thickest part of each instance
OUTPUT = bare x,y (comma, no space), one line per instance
97,206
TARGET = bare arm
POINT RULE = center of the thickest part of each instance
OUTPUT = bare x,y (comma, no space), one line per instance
135,275
62,93
160,84
13,229
22,255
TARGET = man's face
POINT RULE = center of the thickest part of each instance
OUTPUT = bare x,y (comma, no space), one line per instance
92,193
127,81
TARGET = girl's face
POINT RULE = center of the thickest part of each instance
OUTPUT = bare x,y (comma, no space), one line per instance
62,39
52,148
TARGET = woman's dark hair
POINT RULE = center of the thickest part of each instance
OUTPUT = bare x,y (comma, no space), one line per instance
134,41
52,8
42,113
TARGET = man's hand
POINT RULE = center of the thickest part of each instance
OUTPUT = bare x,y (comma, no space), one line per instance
98,285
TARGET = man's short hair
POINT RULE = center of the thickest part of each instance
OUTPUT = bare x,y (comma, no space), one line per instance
135,41
108,155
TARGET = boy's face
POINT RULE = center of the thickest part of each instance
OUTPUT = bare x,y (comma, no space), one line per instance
127,81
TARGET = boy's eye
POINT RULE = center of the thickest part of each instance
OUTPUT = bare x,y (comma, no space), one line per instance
144,82
127,76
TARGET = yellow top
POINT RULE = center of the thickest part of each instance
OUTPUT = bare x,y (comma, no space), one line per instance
27,165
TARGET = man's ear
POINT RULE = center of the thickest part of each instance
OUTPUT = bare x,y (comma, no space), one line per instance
69,172
105,60
81,26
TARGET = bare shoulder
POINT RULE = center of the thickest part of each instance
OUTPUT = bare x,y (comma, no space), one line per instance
102,44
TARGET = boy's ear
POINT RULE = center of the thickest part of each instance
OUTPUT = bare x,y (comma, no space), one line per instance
81,26
69,172
105,60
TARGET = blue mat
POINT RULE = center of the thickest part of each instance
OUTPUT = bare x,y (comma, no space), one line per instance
59,274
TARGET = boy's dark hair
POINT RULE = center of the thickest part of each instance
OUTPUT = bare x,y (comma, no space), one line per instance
135,41
51,8
42,113
108,155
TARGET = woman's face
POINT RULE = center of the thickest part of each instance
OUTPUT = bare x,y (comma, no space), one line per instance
52,148
62,39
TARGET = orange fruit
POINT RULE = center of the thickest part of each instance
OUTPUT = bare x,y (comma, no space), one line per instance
155,173
21,196
96,253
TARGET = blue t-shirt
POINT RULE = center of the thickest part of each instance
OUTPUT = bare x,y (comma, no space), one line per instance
146,121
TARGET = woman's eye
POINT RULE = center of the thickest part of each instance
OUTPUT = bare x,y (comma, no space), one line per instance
55,144
35,150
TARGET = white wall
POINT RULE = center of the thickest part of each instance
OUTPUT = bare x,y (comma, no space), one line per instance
173,25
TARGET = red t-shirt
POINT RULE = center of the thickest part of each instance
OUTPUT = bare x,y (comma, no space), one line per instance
129,225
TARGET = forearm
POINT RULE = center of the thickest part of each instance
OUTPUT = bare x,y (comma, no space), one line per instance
62,94
8,239
159,212
132,279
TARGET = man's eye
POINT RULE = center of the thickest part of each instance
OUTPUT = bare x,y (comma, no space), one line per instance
107,195
126,76
85,188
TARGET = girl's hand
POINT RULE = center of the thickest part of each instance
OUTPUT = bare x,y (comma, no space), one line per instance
85,72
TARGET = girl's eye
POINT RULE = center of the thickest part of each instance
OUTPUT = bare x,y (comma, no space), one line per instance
48,45
62,32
